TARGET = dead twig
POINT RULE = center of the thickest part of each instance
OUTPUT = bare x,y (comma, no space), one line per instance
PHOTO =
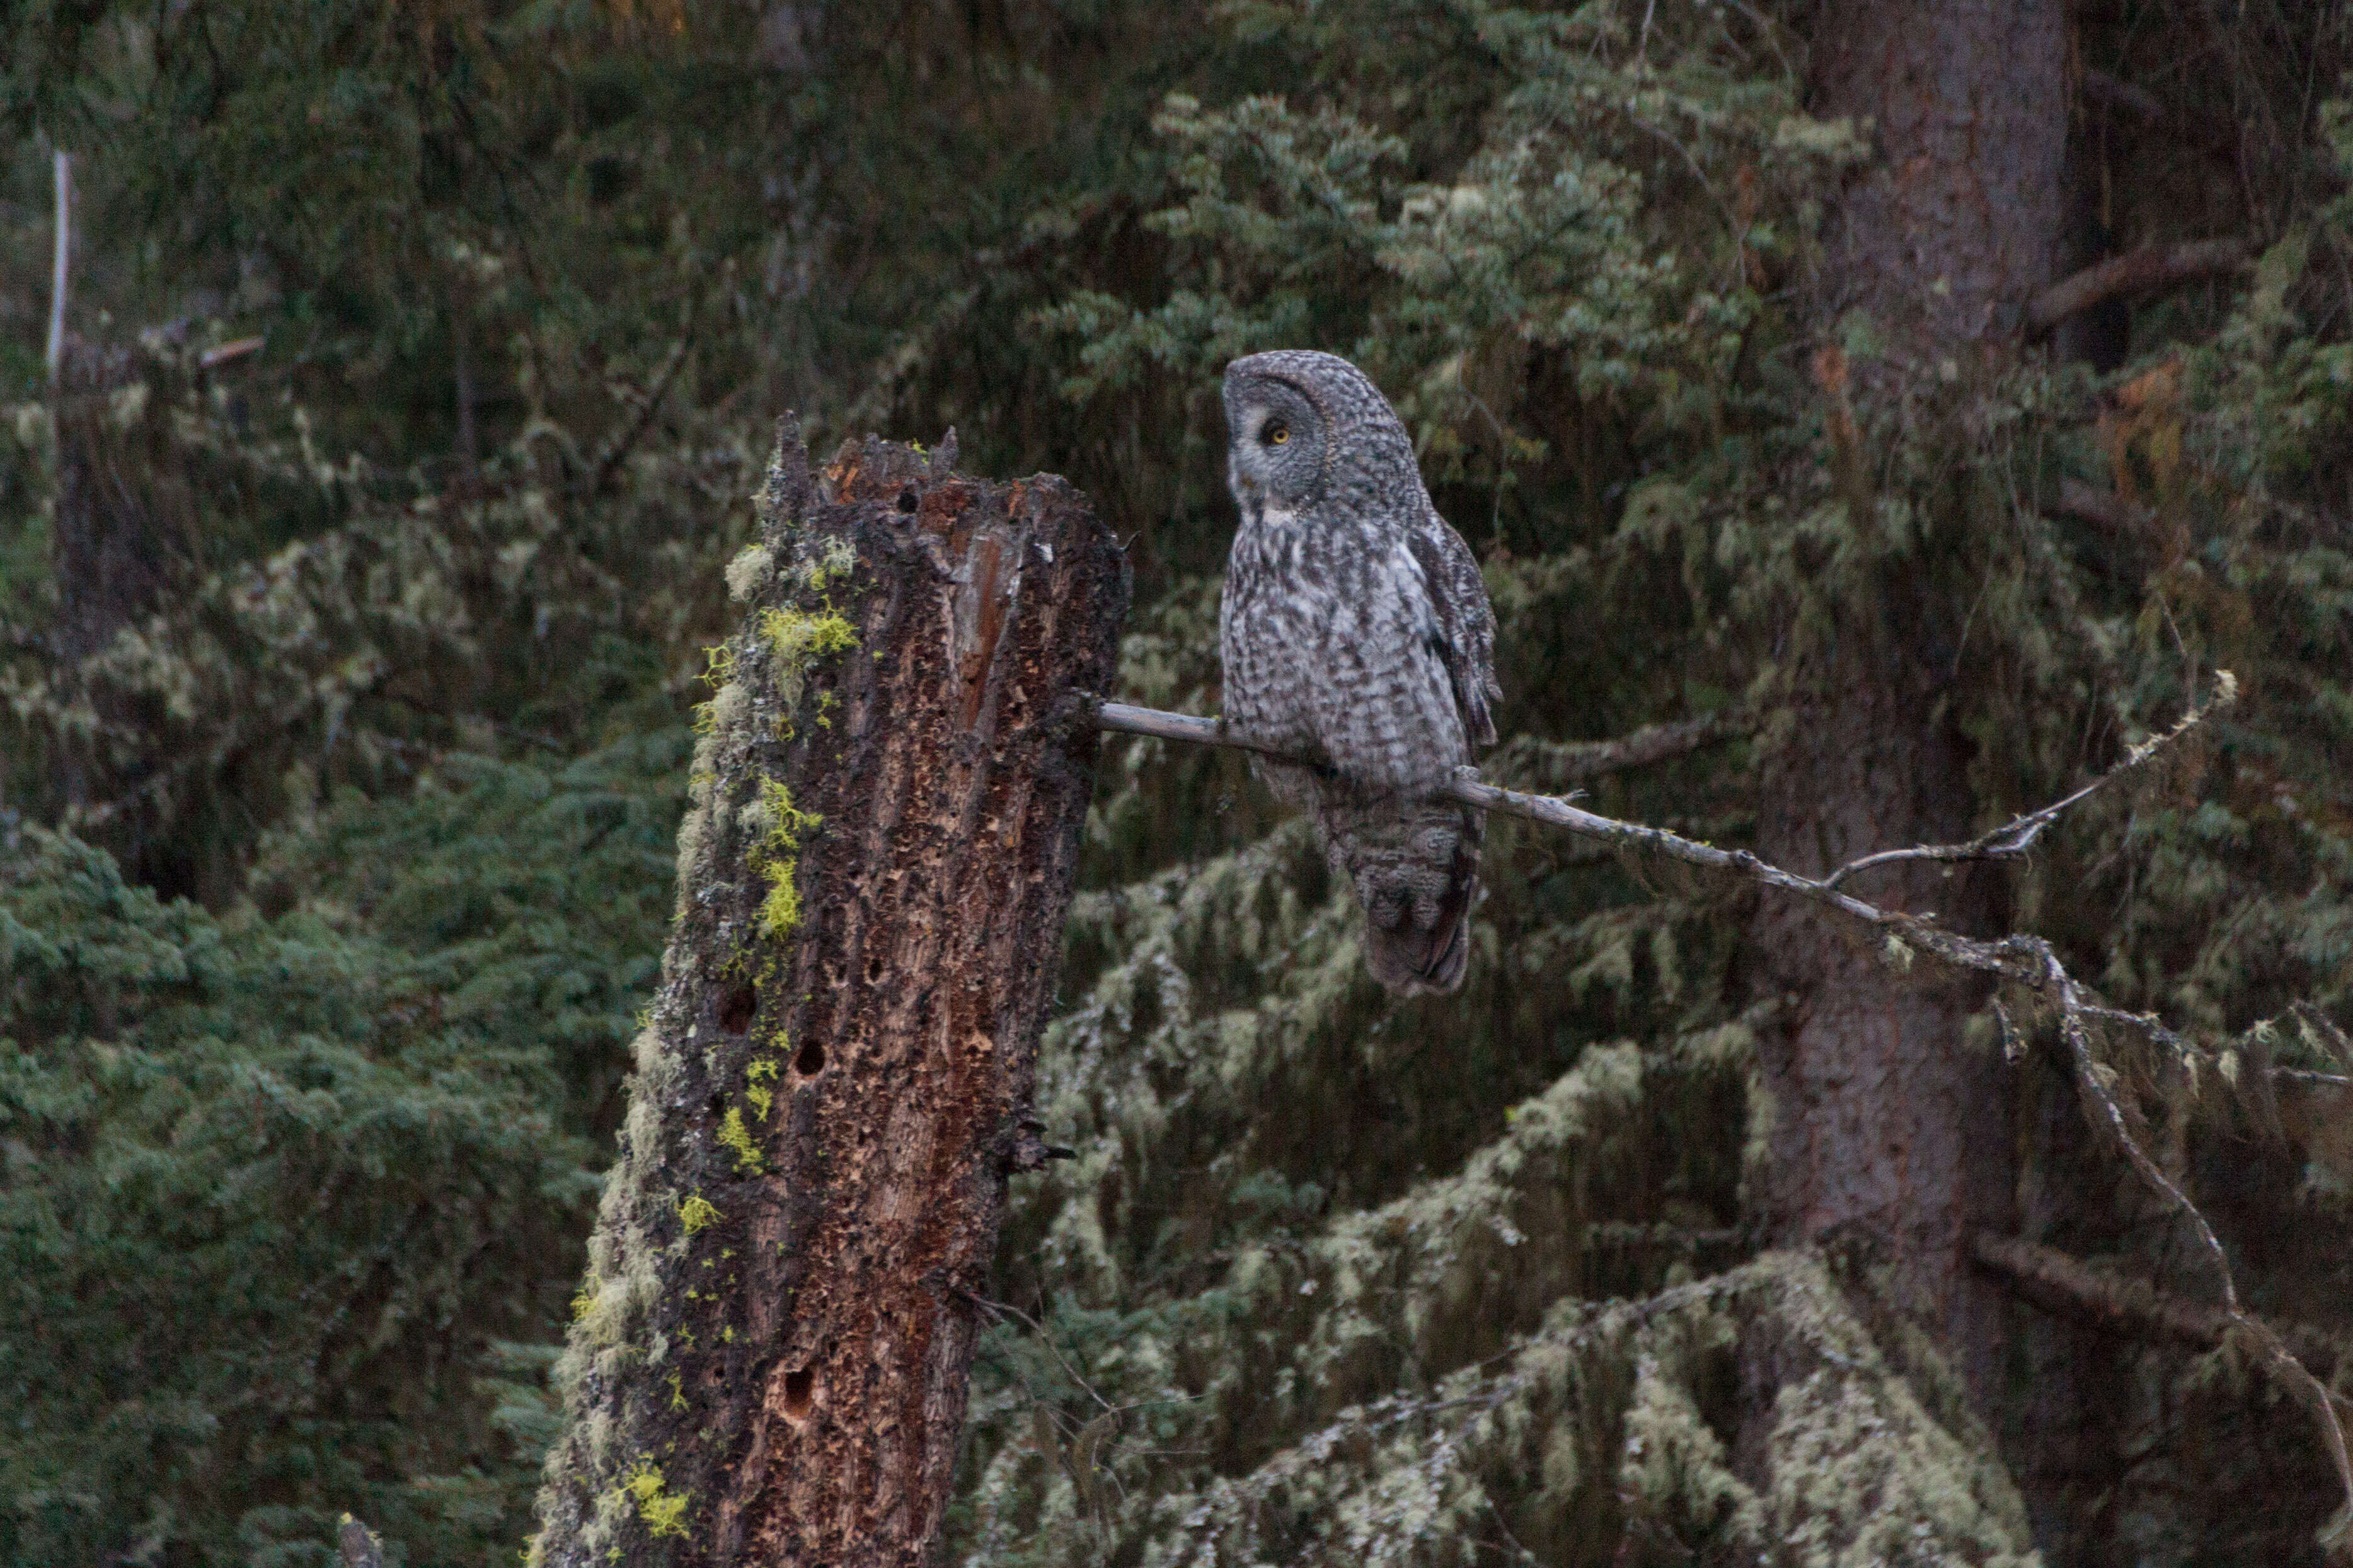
61,264
609,462
2016,837
1571,761
221,355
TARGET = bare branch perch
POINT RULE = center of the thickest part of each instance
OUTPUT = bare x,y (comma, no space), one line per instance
2007,842
2027,961
2151,268
1548,809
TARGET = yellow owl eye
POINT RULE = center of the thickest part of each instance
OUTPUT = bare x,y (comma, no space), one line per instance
1276,432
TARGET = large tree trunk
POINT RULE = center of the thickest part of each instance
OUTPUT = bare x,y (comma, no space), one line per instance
123,540
770,1359
1886,1124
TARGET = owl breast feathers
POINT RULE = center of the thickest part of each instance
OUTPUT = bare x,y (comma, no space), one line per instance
1356,635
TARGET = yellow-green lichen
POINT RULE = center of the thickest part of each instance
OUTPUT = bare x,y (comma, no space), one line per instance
663,1510
719,674
696,1212
757,1078
738,1140
797,639
775,855
677,1392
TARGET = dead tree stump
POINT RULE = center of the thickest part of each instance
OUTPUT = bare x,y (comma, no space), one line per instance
770,1356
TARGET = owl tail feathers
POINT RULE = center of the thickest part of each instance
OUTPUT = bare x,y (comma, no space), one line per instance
1418,913
1417,959
1415,869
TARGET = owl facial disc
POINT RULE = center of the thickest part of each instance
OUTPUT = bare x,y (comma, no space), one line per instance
1278,439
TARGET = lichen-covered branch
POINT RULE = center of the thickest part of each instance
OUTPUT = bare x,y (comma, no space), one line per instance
2016,837
770,1353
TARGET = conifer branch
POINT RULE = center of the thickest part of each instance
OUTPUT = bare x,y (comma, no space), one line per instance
608,463
1570,761
2062,1283
2056,1281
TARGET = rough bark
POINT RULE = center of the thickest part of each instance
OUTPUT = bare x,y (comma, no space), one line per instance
124,530
770,1356
124,541
1954,223
1886,1123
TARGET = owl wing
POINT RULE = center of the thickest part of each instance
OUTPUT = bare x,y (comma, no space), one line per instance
1464,621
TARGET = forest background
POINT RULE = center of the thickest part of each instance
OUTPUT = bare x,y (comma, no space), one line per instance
358,566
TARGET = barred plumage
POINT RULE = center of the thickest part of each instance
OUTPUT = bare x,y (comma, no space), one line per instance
1355,632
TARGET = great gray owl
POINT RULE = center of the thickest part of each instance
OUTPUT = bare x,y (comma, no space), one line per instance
1355,634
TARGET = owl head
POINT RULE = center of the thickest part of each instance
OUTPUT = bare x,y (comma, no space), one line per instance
1303,424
